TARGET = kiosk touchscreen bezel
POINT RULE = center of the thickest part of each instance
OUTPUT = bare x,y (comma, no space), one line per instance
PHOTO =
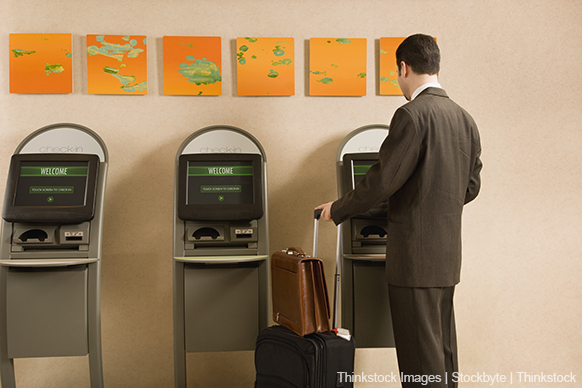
53,213
220,212
378,211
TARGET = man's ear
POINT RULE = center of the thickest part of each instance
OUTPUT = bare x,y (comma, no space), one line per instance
404,69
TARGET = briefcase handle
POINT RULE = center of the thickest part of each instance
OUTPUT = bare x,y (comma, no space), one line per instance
295,252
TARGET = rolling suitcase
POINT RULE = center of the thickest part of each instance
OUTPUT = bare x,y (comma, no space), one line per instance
284,359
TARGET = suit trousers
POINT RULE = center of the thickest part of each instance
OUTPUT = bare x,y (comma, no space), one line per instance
424,332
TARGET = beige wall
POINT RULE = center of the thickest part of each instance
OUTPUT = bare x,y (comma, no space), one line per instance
514,65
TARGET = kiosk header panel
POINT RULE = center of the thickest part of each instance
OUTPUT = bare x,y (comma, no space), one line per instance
366,139
63,139
56,188
220,187
222,140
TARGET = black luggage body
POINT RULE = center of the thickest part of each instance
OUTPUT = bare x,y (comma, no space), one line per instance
284,359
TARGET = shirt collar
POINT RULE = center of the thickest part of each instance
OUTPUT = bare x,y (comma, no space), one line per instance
423,87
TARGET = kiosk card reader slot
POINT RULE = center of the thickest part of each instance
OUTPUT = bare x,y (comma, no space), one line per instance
221,271
229,236
27,237
367,235
33,235
364,295
50,250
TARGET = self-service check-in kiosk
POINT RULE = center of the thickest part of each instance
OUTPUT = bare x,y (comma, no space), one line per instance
51,249
221,272
362,246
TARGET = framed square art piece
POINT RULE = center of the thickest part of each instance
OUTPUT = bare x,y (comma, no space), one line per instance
192,65
337,67
117,64
265,66
41,63
388,67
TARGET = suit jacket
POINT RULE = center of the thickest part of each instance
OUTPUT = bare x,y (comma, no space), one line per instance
429,167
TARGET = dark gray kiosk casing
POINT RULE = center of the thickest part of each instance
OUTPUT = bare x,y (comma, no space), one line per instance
362,246
50,262
221,244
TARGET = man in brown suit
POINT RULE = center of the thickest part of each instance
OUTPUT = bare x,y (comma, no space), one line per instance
428,169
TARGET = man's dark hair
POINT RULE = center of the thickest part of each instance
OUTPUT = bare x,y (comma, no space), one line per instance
421,53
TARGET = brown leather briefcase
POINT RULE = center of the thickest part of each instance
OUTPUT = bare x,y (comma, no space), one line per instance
299,292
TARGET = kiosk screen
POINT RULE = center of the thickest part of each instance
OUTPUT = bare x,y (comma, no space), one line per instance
220,187
56,188
51,184
220,182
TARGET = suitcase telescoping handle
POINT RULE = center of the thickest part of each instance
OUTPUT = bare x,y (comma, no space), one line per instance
316,216
337,277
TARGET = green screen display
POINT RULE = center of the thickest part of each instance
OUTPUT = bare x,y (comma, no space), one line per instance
51,184
220,183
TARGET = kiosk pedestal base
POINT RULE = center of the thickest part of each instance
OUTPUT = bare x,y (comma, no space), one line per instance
221,307
365,303
55,321
44,320
220,304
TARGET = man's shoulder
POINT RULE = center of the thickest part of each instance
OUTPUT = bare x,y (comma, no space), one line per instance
432,97
425,98
428,95
434,102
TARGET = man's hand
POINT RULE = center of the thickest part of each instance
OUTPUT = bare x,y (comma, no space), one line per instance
326,213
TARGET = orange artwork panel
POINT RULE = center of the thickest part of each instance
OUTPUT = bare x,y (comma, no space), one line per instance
388,67
265,66
41,63
337,67
192,65
117,64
